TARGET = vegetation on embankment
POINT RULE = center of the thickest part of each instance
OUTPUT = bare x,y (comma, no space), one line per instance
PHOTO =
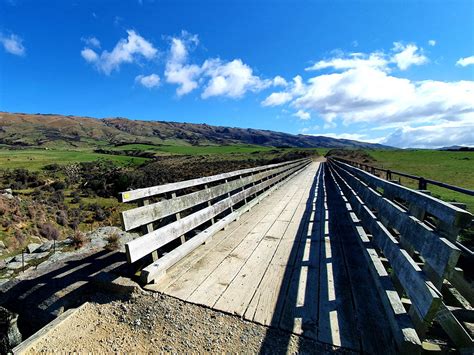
56,196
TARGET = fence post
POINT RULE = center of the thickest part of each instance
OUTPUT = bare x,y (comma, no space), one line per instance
422,184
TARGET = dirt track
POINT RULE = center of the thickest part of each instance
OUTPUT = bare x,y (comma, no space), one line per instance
156,323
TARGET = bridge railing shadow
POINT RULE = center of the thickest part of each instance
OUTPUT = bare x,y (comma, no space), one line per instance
39,297
311,298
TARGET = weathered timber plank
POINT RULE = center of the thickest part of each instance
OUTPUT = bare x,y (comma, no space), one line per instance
236,298
267,303
144,245
161,189
424,296
139,216
197,274
300,310
444,211
241,226
438,252
336,314
460,337
158,268
360,258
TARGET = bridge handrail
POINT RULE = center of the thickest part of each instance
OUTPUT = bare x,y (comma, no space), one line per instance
400,235
147,192
422,182
450,219
202,208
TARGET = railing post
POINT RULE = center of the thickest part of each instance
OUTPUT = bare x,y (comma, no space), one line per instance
148,228
209,204
178,217
422,184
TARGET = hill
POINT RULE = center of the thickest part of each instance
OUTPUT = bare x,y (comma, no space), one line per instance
73,131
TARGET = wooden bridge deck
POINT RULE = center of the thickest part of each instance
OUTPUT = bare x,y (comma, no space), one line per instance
292,263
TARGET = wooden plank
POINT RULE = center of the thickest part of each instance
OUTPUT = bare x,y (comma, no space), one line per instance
300,311
198,272
243,226
144,245
451,215
161,189
148,213
438,252
401,325
425,298
236,298
157,269
267,303
460,337
336,314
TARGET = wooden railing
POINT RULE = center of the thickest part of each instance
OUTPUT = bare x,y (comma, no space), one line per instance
409,242
194,210
389,174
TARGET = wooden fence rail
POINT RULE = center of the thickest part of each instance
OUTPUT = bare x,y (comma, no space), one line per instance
414,235
203,206
422,182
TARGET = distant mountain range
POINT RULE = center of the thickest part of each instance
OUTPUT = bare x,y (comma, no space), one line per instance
51,130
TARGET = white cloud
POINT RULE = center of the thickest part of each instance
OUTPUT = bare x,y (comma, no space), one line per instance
89,55
432,42
432,136
148,81
13,44
464,62
279,81
177,72
302,115
277,98
407,56
361,89
232,79
354,60
218,78
91,41
296,87
128,50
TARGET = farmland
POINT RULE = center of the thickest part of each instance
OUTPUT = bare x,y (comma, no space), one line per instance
455,168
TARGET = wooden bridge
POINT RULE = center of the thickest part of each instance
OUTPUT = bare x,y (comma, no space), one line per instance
321,249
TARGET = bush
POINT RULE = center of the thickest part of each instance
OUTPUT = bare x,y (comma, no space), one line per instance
47,230
113,242
79,239
58,185
61,218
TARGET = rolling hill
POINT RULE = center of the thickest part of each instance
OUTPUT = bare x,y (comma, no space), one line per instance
51,130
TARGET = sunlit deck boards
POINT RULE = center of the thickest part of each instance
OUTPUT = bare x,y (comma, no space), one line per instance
284,264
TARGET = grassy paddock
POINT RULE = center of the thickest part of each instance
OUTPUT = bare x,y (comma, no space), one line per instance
455,168
36,159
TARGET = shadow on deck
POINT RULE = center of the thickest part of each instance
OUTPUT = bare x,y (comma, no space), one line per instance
327,293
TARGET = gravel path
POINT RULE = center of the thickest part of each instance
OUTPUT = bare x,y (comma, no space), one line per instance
151,322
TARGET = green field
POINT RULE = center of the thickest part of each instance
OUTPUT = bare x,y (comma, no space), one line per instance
196,150
455,168
36,159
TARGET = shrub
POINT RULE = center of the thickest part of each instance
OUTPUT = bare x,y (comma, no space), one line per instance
61,218
58,185
47,230
79,239
113,242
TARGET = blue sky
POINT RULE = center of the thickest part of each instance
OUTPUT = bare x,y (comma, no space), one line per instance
395,72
